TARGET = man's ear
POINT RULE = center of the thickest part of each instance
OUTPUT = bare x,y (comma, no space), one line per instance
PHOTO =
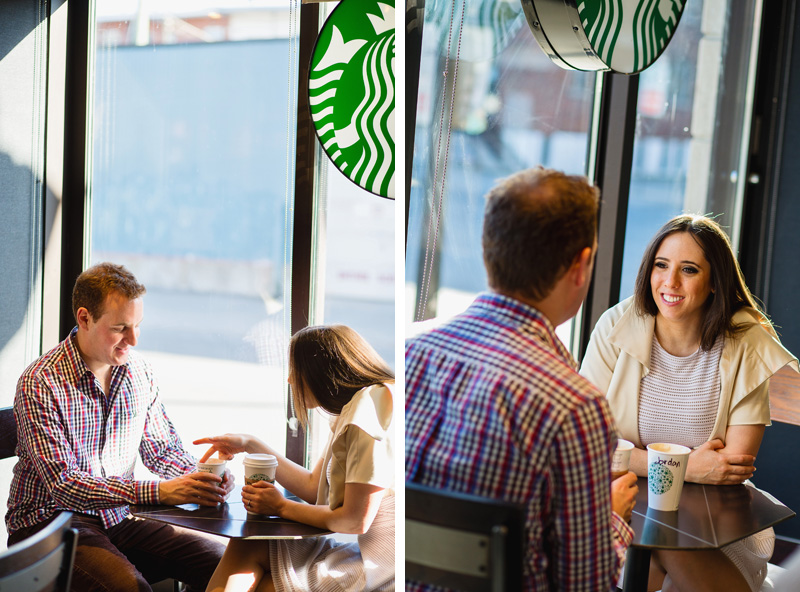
83,317
582,267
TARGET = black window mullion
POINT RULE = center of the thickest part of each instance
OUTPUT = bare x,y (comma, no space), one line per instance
76,186
415,16
615,136
303,219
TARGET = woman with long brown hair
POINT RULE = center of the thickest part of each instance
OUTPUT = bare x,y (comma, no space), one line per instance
350,489
687,360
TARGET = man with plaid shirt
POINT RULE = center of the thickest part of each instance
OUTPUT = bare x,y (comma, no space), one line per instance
495,406
84,411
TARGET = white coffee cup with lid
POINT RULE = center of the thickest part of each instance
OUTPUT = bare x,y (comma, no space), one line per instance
212,465
259,467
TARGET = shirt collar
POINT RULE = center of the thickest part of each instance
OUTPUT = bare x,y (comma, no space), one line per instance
525,318
633,333
77,362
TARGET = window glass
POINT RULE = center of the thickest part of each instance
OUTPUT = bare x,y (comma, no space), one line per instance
685,159
356,267
512,109
194,119
359,262
23,59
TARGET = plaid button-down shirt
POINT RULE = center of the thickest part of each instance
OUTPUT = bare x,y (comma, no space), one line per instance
77,446
495,408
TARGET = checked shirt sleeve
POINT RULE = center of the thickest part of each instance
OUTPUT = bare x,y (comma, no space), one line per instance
161,449
588,539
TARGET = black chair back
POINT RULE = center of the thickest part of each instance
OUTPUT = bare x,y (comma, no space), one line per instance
43,561
463,542
8,433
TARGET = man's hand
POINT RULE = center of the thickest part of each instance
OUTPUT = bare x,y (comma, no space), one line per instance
623,495
227,482
205,489
707,465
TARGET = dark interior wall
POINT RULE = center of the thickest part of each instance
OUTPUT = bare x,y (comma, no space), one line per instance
775,277
783,281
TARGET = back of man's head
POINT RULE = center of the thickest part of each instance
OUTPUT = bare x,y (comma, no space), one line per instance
535,224
100,280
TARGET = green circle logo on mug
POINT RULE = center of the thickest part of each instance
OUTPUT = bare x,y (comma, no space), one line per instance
659,479
624,36
351,92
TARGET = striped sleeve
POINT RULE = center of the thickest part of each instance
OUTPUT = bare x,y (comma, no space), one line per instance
161,448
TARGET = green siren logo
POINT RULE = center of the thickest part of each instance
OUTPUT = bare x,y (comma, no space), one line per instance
624,36
629,36
351,92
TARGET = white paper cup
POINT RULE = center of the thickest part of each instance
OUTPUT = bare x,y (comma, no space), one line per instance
622,458
259,467
666,469
212,465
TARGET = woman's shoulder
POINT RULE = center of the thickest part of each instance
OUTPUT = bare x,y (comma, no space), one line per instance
371,409
749,318
757,339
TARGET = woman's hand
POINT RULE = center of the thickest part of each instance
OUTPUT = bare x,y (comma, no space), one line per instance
227,445
708,466
263,498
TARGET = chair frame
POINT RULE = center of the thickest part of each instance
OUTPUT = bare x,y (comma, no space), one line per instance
479,541
45,558
8,433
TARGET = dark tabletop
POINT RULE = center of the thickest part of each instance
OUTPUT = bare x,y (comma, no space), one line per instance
229,520
708,517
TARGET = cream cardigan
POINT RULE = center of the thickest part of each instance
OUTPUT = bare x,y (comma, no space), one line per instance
618,356
364,455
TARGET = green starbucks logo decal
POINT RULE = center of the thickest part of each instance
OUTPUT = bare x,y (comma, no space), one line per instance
256,477
351,92
623,36
659,479
629,36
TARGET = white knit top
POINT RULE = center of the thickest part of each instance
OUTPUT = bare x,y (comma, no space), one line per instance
678,402
679,397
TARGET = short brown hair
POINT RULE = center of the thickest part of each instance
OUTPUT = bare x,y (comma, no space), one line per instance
331,363
535,224
729,291
97,282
